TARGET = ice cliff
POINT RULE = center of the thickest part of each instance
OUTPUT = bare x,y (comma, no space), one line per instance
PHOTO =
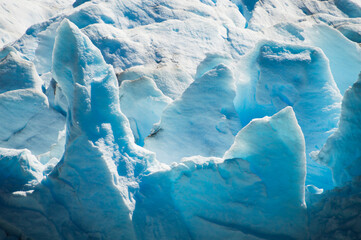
209,119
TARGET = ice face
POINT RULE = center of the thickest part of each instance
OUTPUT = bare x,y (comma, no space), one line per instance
277,75
341,152
332,211
200,70
142,103
201,122
10,67
20,170
239,197
342,54
27,121
280,128
101,159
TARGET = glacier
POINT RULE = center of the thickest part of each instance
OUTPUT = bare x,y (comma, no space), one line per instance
203,124
193,119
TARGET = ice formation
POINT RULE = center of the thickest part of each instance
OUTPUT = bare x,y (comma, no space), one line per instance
192,119
202,123
143,103
341,152
27,120
237,195
277,75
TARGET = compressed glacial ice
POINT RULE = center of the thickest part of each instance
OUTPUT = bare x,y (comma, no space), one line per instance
19,170
341,152
334,211
17,16
27,120
238,197
11,66
342,54
100,161
238,93
275,76
200,122
142,103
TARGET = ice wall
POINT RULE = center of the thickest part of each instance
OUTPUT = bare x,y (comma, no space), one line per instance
341,151
238,198
277,75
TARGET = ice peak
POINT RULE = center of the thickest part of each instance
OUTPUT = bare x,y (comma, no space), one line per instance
274,145
16,72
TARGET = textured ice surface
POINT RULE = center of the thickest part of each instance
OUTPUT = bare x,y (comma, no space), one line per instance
239,198
146,33
143,103
17,16
19,169
201,122
341,151
277,75
336,214
27,121
200,70
17,73
100,161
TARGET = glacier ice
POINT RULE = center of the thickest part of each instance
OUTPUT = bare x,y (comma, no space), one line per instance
27,120
341,152
200,122
142,103
20,170
100,162
17,16
10,66
341,53
275,76
91,89
237,196
336,214
233,96
334,211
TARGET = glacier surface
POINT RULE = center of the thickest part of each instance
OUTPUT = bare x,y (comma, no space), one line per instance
193,119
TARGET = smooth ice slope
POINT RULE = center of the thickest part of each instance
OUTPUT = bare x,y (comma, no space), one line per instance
341,151
277,75
238,198
202,121
142,103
